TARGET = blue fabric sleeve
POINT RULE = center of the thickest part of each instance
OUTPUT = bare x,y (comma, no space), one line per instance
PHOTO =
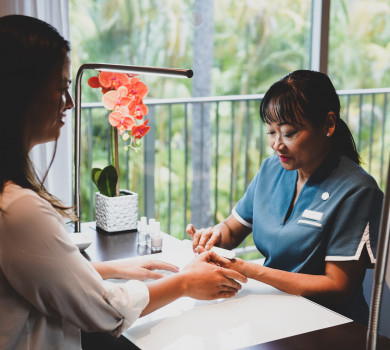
347,237
244,207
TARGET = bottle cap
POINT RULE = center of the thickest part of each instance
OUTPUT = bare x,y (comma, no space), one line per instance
156,231
143,225
151,225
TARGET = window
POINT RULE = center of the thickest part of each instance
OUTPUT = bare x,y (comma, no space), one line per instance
254,43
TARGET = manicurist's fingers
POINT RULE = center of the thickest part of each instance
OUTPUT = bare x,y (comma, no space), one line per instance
218,259
205,236
190,229
224,294
213,240
234,275
229,289
196,238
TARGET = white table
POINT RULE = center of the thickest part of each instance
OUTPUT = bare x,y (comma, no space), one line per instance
258,313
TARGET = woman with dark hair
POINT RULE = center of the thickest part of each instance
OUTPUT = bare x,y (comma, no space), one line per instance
314,212
48,290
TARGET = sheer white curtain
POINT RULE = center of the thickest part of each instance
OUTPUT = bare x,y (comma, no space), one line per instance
59,179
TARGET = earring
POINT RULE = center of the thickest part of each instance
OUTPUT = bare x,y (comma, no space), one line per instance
327,135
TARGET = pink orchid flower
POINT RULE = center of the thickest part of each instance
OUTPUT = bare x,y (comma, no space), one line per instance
110,80
141,130
94,82
115,99
137,108
121,122
137,88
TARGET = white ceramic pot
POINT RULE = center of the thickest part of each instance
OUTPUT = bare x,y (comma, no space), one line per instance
116,214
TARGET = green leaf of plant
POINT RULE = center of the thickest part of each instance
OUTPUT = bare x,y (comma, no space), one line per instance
95,173
107,181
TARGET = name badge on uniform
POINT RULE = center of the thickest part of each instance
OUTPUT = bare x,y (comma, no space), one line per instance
313,215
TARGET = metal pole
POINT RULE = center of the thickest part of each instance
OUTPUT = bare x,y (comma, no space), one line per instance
380,269
77,136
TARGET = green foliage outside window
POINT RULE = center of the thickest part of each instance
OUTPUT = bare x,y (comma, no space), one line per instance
255,44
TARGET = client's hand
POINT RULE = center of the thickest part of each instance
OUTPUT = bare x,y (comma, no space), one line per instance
136,269
204,237
208,281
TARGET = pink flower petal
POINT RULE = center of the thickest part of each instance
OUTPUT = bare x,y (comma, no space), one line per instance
110,99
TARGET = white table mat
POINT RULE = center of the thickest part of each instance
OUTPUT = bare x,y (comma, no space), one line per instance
258,313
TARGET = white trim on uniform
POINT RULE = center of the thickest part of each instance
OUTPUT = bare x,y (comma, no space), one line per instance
368,245
309,222
364,241
240,219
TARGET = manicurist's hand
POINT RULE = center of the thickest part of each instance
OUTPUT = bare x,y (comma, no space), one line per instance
136,269
204,237
206,281
331,289
227,234
241,266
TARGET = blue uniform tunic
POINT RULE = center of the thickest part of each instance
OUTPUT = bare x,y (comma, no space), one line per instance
336,214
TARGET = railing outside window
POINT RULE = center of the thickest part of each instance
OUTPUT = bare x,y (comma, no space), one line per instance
162,172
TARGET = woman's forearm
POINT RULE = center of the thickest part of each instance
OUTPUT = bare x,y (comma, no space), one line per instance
104,269
232,232
227,241
164,291
332,288
292,282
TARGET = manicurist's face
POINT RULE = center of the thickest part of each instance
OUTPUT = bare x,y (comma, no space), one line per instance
46,115
298,146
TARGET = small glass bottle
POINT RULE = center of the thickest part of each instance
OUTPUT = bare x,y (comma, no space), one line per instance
151,226
156,238
142,231
147,233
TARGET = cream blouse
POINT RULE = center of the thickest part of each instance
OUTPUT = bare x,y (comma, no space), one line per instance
48,290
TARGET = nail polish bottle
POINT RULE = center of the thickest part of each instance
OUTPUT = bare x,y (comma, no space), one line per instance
156,238
151,226
142,231
148,232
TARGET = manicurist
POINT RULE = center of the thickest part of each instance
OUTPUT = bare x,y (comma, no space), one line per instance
313,211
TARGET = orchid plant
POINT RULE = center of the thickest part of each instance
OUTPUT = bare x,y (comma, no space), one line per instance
123,96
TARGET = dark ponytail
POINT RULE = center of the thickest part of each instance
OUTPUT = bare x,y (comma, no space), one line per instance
309,95
343,142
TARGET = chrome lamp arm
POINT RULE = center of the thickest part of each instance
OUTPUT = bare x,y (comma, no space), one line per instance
179,73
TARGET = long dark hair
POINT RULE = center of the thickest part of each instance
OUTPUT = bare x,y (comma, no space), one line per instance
309,95
31,51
